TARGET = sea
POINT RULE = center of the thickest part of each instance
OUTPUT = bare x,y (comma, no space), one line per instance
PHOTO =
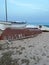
36,24
31,24
46,25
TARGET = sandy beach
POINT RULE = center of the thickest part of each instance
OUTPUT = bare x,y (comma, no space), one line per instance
35,50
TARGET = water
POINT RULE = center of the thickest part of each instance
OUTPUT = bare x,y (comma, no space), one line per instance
39,24
46,25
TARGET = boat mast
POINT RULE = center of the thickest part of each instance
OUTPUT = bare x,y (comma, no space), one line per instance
6,10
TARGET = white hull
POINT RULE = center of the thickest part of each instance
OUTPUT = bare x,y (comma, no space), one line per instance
43,28
18,26
4,25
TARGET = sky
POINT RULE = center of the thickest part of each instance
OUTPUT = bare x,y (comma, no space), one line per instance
31,11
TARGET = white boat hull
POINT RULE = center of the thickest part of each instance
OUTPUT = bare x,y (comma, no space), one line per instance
5,25
44,28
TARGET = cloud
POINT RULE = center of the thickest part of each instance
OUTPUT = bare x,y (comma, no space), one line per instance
32,6
40,9
19,3
23,4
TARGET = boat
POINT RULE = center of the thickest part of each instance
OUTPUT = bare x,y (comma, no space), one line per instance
14,30
14,25
11,24
43,28
18,25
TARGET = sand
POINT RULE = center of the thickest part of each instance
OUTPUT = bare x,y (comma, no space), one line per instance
36,49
